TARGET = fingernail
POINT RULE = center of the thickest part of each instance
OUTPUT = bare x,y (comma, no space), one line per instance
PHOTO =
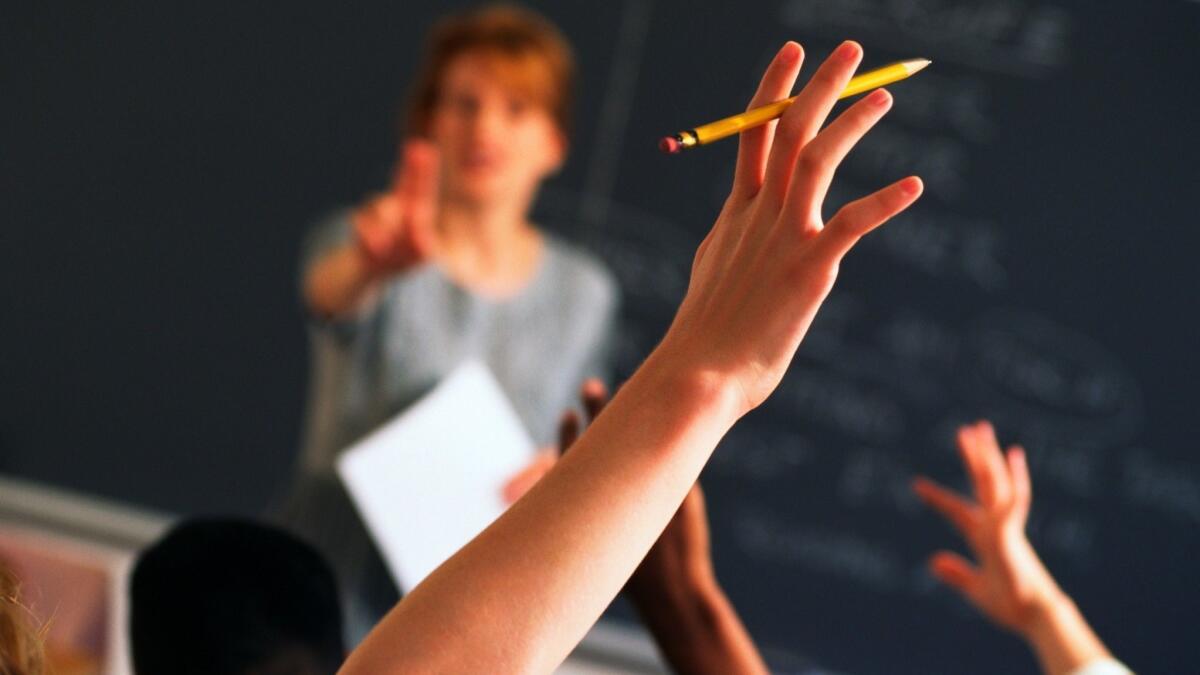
879,97
848,51
789,53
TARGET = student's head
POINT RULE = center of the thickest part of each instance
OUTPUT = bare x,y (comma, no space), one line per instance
229,597
494,93
20,645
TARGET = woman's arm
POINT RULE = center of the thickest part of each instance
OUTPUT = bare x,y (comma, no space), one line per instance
523,593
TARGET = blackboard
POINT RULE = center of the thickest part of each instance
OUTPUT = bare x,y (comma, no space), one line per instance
161,162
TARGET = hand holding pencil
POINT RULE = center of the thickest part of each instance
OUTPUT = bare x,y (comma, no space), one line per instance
756,116
771,259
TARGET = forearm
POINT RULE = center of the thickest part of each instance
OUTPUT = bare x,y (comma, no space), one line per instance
1061,638
339,283
697,629
522,594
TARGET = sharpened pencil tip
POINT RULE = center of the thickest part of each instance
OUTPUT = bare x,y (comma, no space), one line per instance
916,65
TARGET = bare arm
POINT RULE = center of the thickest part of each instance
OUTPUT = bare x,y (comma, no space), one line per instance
1062,640
1007,582
676,592
392,232
675,588
513,602
700,632
340,282
522,594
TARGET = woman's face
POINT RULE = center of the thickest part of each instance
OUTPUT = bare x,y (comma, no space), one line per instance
495,143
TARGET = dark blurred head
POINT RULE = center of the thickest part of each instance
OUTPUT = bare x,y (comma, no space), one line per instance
229,597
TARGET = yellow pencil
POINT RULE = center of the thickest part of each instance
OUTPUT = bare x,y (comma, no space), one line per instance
729,126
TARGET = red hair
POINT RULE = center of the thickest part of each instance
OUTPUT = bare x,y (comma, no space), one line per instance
526,51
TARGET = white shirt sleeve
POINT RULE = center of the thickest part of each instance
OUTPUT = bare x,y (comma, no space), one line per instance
1106,666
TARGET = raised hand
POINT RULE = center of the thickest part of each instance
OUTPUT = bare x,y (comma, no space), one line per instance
1008,582
762,272
522,593
395,230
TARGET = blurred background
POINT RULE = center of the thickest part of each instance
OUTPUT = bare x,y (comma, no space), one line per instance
161,163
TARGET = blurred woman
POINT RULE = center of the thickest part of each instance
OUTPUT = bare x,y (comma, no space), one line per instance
446,266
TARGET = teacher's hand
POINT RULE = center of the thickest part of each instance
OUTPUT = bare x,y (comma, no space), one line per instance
395,230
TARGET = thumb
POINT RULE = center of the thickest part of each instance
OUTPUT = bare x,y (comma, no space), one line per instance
957,573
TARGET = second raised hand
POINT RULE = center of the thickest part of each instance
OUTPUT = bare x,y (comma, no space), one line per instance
1007,582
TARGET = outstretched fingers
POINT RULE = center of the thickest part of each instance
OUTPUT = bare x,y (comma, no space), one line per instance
995,470
776,85
804,118
955,508
1018,470
956,572
820,159
863,215
985,464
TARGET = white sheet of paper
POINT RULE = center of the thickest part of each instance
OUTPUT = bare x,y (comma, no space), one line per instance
430,479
